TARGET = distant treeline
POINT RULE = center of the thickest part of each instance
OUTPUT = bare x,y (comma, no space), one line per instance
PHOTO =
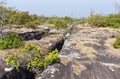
11,16
111,20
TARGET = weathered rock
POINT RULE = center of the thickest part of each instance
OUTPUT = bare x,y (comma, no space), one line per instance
56,31
87,54
32,35
25,34
47,44
14,74
5,32
44,27
81,70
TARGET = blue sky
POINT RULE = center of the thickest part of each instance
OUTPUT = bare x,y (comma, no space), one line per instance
74,8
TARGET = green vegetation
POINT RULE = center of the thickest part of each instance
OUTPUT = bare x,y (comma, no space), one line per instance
112,20
15,17
60,24
10,41
11,16
52,57
12,60
117,43
39,61
33,58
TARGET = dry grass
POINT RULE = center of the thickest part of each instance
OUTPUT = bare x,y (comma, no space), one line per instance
79,44
94,30
89,51
20,28
78,67
4,53
44,46
109,43
65,60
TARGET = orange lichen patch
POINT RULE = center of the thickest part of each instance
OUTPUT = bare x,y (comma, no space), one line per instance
78,67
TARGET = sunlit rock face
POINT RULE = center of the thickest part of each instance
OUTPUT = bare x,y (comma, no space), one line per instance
87,53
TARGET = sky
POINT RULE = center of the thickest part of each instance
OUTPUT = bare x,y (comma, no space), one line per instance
72,8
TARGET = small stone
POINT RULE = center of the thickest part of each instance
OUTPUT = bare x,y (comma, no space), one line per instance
52,76
9,69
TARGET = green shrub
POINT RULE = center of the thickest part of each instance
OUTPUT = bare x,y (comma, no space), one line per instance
60,24
10,41
112,20
36,62
35,59
117,43
30,25
68,20
39,61
96,20
52,57
12,60
30,47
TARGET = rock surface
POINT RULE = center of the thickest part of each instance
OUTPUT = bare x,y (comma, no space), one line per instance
47,42
87,53
25,34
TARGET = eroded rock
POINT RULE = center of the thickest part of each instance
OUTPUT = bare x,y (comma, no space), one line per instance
87,54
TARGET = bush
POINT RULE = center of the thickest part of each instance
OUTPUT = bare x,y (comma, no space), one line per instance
34,59
96,20
52,57
10,41
30,24
112,20
36,62
60,24
39,61
117,43
12,60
